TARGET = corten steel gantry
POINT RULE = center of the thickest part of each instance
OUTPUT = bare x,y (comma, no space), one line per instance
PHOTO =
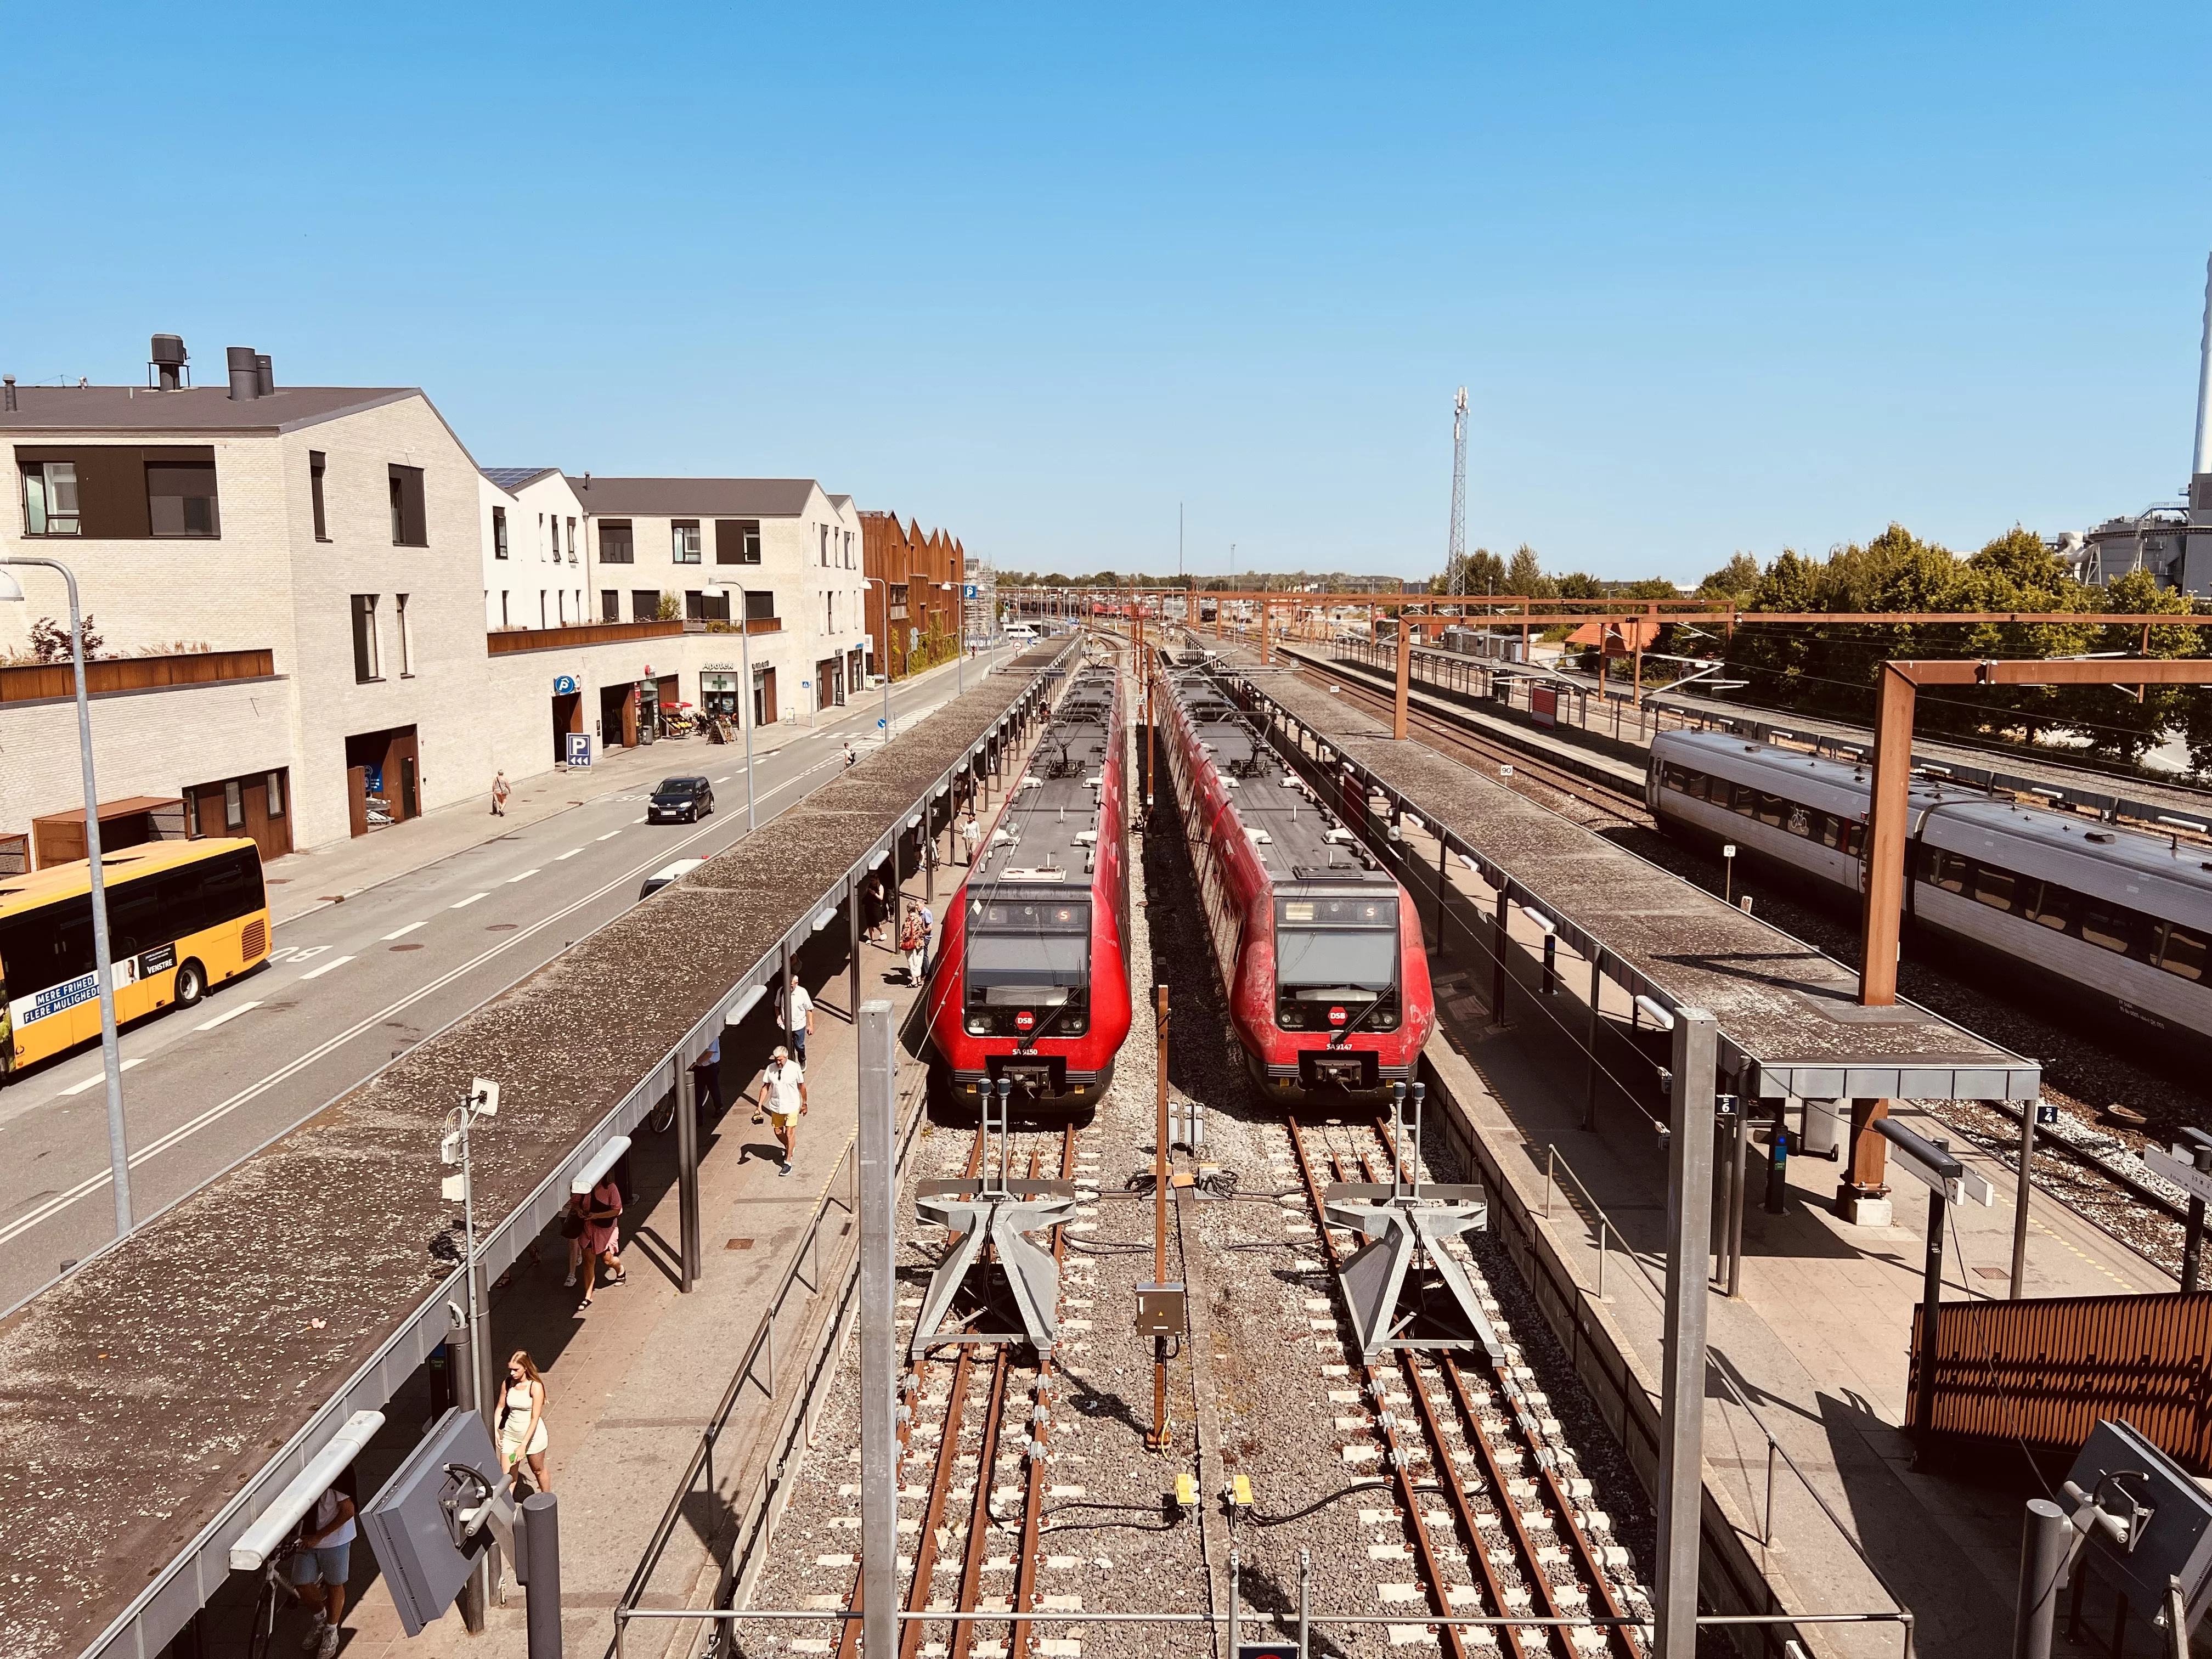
1887,825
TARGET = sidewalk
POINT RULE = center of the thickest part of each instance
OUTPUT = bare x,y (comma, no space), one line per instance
340,870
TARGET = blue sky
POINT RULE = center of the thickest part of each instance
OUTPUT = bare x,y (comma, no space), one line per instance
1716,277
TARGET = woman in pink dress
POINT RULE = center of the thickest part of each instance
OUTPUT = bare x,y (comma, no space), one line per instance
601,1239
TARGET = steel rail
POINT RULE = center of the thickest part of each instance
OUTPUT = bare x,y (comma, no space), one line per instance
1031,1558
1409,1500
1622,1641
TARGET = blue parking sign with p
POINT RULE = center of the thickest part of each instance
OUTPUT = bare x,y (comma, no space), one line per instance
580,749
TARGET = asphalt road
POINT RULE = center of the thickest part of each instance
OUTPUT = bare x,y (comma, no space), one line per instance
350,986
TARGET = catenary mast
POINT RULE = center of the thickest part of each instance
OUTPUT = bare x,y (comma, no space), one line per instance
1455,559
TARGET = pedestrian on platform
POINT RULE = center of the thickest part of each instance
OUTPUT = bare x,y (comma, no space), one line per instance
575,1220
783,1091
602,1236
798,1018
912,941
707,1081
501,789
319,1566
928,933
873,910
522,1423
971,838
852,755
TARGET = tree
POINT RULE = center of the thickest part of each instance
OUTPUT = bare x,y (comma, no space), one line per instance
50,640
1480,572
671,608
1737,580
1525,576
1579,584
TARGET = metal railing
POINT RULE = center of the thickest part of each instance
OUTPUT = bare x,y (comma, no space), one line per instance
1602,1225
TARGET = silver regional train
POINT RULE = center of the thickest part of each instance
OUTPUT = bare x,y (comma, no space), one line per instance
2103,920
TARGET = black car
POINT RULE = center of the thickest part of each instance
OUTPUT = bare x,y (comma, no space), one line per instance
688,798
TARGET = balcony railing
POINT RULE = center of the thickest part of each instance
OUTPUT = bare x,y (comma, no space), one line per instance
754,625
32,682
507,641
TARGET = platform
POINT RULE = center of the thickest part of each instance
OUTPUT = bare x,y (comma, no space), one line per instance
228,1337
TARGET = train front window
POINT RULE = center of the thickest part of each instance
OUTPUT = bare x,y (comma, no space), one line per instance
1028,967
1336,963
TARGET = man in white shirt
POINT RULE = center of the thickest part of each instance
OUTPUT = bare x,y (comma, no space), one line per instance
798,1018
783,1091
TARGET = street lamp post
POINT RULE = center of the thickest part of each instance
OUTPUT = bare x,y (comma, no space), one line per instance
886,664
119,1146
745,683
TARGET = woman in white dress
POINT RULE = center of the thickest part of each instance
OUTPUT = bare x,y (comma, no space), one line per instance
522,1423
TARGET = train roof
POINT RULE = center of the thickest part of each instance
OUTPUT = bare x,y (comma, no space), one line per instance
2032,840
1053,816
1300,841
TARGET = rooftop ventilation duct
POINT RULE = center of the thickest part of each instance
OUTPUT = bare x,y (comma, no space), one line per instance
167,357
245,367
264,373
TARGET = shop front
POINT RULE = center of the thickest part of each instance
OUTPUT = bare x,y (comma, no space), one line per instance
383,784
718,690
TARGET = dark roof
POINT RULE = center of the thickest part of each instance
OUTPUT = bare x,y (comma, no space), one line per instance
198,409
756,498
513,478
1790,1022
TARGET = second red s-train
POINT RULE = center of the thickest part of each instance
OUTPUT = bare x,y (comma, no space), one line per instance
1320,950
1031,982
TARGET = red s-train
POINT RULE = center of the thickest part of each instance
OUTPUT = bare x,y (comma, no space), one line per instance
1032,976
1320,950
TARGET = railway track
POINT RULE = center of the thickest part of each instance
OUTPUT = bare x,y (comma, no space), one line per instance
1014,1393
1484,1444
2086,1167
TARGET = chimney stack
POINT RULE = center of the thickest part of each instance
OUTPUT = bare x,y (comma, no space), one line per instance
245,374
167,360
8,393
264,374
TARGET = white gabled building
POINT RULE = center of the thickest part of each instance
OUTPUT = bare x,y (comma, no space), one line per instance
657,545
534,573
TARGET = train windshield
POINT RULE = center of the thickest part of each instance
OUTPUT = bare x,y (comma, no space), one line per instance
1031,952
1331,948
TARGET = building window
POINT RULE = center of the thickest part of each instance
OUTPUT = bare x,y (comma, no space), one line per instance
367,658
760,606
683,540
610,604
276,794
180,498
614,546
572,541
499,532
828,613
50,499
503,621
410,526
233,805
644,604
822,531
707,607
541,607
848,549
737,541
406,640
315,465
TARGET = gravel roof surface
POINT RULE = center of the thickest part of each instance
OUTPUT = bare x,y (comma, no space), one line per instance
1776,999
138,1396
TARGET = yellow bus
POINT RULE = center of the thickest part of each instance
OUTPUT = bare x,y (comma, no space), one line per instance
182,916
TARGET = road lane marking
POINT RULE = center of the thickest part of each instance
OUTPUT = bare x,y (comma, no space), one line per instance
397,932
228,1015
101,1077
525,876
317,973
610,836
176,1137
467,902
570,853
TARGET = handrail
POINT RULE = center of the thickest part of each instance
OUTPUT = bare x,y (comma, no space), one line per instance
1774,1448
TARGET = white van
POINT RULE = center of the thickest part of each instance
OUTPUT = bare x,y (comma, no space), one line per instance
1021,632
660,878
